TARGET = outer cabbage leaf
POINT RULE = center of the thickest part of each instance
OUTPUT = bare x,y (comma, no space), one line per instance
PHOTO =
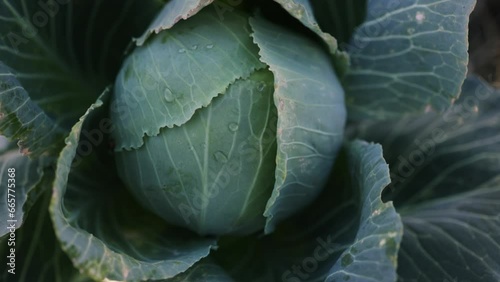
5,145
30,181
172,12
307,144
33,241
51,79
302,10
453,238
23,120
154,91
445,185
100,226
204,271
63,58
407,57
373,254
350,234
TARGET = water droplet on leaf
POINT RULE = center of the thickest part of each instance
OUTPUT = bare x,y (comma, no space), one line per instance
182,50
261,86
194,47
169,96
220,157
210,46
233,126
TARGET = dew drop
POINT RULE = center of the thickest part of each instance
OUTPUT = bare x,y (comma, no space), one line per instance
233,126
210,46
194,47
182,50
411,30
169,96
261,86
220,157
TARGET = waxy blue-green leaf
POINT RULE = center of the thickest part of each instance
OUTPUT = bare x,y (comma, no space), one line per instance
340,17
5,145
22,181
172,12
311,117
374,252
33,241
407,57
215,173
30,44
302,10
22,120
347,234
445,184
100,226
461,142
453,238
64,53
154,90
204,271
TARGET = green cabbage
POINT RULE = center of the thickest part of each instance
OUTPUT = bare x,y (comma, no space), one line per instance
199,150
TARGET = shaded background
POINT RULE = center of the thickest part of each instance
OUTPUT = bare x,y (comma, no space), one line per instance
484,40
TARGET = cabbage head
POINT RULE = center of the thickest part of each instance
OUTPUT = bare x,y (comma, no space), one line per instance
247,141
220,154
